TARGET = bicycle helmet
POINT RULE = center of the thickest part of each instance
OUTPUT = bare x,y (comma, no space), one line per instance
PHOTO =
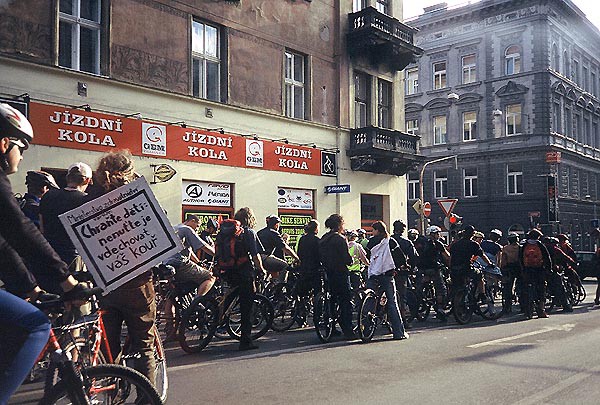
513,237
399,224
14,125
361,232
40,178
433,229
497,232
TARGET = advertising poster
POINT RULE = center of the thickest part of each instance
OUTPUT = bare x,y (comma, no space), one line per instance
121,234
293,225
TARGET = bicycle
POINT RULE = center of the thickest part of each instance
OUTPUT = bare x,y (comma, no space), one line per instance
82,383
373,312
220,308
466,301
292,301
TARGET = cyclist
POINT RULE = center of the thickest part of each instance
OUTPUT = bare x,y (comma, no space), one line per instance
210,229
462,254
432,256
359,256
491,247
38,184
560,260
310,259
275,248
535,261
19,240
362,238
386,256
333,249
403,272
511,270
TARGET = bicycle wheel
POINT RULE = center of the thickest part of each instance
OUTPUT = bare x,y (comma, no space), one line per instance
162,380
108,384
462,309
427,297
322,317
411,306
198,325
492,307
285,307
367,321
261,315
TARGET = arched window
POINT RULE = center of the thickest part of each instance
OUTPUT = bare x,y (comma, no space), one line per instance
566,70
512,57
555,58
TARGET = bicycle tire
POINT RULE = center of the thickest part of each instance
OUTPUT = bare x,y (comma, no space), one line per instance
121,382
285,307
427,300
322,317
368,320
160,371
262,318
491,309
462,309
198,325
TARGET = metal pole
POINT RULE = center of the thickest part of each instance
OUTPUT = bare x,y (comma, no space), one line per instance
421,215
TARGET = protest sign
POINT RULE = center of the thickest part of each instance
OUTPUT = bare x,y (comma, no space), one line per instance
121,234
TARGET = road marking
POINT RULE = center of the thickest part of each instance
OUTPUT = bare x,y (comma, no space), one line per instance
566,328
539,396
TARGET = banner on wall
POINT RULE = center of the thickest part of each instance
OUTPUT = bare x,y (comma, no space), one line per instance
205,216
121,234
206,193
293,225
294,199
88,130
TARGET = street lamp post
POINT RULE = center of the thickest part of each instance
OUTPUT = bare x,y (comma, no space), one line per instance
421,215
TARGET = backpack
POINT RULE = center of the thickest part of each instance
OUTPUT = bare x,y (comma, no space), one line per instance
230,250
532,255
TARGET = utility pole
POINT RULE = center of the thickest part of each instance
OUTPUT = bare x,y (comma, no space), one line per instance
421,215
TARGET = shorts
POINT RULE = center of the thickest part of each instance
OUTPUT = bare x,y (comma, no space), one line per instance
190,272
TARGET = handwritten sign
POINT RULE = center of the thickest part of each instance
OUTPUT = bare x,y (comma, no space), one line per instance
121,234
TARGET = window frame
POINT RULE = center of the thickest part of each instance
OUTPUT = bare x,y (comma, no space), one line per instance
76,23
358,101
440,138
469,69
514,119
514,178
290,83
413,189
412,83
205,59
384,104
358,5
440,184
472,126
412,129
383,6
512,60
472,182
440,77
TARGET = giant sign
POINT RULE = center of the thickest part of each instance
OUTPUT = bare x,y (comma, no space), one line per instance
206,193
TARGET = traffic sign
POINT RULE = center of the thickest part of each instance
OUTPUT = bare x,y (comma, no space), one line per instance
447,205
417,206
427,209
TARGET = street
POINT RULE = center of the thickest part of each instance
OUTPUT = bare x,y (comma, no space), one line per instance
509,361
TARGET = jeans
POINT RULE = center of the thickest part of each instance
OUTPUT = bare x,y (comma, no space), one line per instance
17,315
339,285
243,278
389,286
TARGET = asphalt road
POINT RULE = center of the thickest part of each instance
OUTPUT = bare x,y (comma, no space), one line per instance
508,361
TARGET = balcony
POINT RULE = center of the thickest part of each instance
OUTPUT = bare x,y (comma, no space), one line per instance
383,151
382,39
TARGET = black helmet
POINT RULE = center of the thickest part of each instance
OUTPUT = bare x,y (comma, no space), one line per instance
513,237
40,178
14,125
399,224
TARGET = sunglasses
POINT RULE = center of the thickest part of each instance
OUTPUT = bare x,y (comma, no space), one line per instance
19,144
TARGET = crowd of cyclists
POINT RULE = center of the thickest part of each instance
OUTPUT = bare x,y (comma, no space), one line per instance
413,270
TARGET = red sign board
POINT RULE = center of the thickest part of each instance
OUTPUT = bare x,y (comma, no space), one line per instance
79,129
427,209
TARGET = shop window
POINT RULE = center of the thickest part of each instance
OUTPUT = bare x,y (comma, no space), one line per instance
371,210
206,61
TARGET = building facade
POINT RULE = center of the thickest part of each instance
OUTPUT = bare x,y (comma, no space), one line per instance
512,88
223,104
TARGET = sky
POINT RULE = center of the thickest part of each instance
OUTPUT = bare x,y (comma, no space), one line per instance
591,8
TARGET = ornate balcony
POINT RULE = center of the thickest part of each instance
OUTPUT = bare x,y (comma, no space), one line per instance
383,151
382,39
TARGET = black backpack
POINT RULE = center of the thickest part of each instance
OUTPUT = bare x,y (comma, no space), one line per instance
230,250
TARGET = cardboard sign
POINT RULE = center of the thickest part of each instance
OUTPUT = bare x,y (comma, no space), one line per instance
121,234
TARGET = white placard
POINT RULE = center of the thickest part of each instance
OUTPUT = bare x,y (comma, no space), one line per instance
121,234
154,139
255,155
205,193
291,198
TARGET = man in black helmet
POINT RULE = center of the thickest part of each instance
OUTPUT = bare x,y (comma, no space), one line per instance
38,184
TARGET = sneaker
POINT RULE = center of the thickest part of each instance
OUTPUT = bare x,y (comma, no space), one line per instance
597,301
402,337
543,314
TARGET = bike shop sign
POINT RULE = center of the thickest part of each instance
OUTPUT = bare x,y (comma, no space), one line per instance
121,234
204,193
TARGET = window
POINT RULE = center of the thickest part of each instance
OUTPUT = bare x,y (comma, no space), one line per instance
594,84
358,5
568,123
412,81
512,57
439,130
469,69
513,119
469,126
79,30
595,136
470,182
413,189
384,104
586,132
439,75
555,58
440,181
206,63
514,179
566,67
584,77
556,118
575,72
383,6
412,127
361,100
294,85
578,130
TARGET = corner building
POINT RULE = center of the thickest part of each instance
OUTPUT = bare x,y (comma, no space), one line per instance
223,104
513,89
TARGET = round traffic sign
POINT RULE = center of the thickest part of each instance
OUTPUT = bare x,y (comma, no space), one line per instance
426,209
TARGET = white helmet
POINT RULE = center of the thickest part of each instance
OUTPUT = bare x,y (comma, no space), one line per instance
412,231
433,229
14,125
497,232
